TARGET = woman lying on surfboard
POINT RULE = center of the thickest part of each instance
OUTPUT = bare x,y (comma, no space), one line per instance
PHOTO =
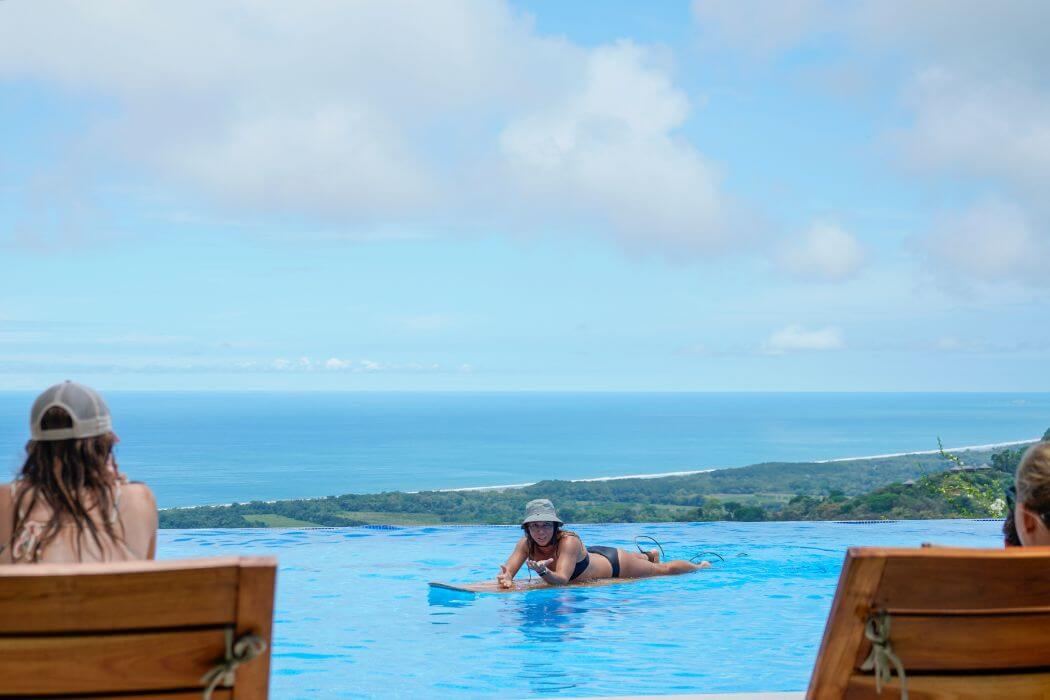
558,556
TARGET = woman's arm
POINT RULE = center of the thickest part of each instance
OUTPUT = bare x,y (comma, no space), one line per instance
138,515
559,574
6,518
509,570
154,524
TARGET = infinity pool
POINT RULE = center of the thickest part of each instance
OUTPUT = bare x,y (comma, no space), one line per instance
355,617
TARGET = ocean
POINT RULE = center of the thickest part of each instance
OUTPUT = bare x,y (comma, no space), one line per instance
197,448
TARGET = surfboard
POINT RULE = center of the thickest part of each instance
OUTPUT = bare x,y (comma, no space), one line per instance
525,586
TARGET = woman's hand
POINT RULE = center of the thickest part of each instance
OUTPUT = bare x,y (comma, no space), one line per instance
503,578
540,567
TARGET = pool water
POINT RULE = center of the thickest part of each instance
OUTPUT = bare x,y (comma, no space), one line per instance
355,617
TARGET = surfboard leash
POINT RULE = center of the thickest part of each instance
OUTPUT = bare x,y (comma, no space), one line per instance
641,549
695,559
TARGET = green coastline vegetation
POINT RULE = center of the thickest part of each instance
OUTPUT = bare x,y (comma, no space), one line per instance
968,484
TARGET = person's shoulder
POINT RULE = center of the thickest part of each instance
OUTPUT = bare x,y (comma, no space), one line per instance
6,495
570,539
139,492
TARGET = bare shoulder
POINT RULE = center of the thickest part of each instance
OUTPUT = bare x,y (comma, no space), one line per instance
570,542
522,545
6,498
138,494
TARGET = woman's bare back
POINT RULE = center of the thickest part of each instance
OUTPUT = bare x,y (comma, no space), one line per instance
134,518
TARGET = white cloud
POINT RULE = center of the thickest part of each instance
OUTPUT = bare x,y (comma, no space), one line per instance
992,241
12,363
607,152
989,37
824,253
972,80
392,112
794,338
997,128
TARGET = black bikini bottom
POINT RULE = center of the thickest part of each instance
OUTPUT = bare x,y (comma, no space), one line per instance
610,553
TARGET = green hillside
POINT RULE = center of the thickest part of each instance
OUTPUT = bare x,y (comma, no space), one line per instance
847,490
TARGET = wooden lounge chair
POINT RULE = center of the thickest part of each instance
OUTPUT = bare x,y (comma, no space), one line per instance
154,629
959,623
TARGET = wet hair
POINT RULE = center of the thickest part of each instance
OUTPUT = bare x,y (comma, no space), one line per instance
555,538
71,477
1032,480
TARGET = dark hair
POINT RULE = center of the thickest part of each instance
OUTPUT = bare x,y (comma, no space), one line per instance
1010,536
555,538
71,477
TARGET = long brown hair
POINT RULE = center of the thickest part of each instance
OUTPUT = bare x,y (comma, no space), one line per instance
555,539
71,477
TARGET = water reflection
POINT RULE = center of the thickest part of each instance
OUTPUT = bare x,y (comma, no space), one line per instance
549,621
448,598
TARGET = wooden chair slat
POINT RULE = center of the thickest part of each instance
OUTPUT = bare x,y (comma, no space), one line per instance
960,584
966,612
842,636
218,694
86,598
255,616
1033,686
149,630
109,663
968,643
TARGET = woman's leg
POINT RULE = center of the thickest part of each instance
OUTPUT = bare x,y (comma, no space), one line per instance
637,565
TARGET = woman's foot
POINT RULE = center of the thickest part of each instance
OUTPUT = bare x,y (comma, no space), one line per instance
653,555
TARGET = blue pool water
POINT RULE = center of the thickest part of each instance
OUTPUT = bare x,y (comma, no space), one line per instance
198,448
355,617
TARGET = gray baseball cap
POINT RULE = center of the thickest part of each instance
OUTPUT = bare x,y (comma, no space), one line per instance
540,510
87,409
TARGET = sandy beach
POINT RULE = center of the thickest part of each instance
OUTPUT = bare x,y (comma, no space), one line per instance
965,448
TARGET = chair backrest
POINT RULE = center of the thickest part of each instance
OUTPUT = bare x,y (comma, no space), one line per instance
963,623
138,629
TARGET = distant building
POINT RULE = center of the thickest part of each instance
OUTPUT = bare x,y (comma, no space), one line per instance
968,468
910,482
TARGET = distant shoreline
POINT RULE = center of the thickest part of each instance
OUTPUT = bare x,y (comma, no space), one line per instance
661,475
967,448
575,481
990,446
909,485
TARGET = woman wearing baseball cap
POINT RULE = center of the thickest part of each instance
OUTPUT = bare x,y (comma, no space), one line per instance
70,502
558,556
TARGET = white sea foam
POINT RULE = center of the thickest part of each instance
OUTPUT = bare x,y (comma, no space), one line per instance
990,446
576,481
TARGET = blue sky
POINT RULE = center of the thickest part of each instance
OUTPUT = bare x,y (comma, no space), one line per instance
813,196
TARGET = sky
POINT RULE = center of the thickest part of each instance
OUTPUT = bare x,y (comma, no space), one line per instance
718,195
